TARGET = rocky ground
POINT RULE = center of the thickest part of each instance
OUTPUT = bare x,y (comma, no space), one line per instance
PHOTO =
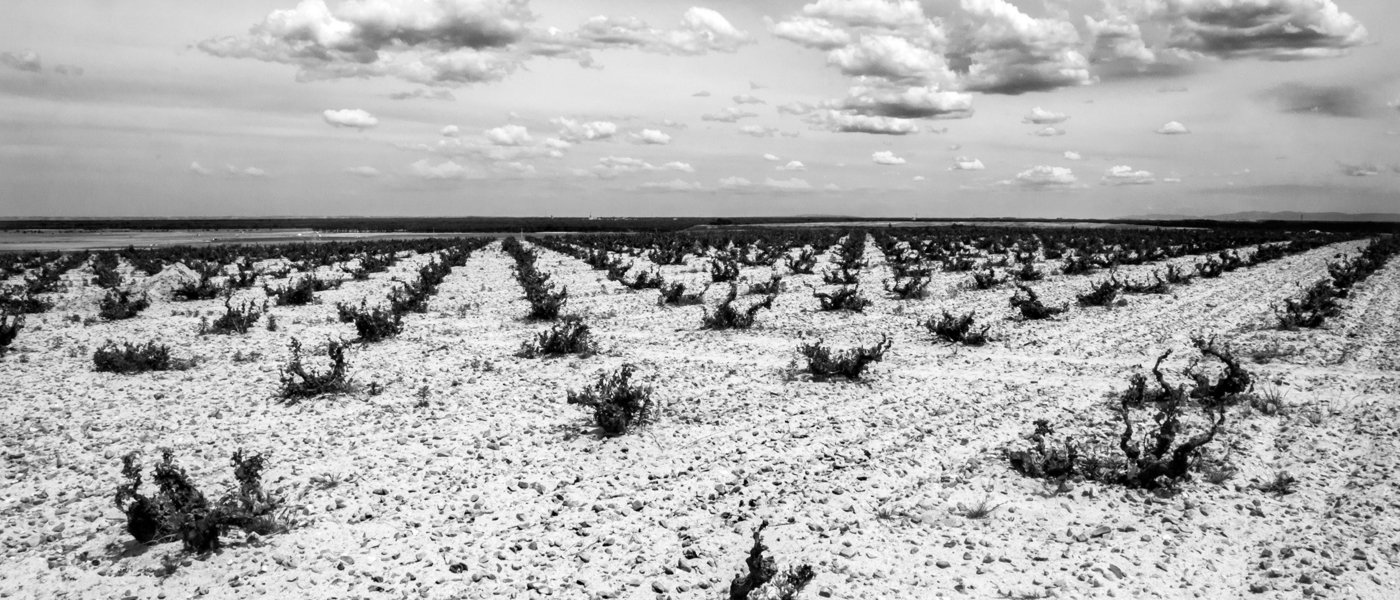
469,476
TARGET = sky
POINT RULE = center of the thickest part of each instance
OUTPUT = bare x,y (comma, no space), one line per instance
898,108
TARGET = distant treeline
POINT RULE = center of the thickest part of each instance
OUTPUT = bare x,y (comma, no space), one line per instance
638,224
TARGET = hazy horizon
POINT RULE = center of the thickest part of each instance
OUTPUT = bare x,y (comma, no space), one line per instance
869,108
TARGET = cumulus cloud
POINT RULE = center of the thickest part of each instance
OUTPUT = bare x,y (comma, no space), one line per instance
1006,51
650,136
368,172
734,182
69,70
1117,38
1072,155
890,57
609,167
729,114
1044,176
793,165
963,163
885,157
451,131
771,158
245,171
758,131
925,102
792,184
442,170
1125,175
424,94
577,131
1269,29
678,166
199,169
818,34
24,60
1361,170
508,135
451,42
701,94
1049,132
353,118
843,121
1040,116
674,185
515,168
920,178
1173,128
748,99
802,108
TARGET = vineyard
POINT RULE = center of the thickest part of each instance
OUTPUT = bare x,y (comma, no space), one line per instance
959,411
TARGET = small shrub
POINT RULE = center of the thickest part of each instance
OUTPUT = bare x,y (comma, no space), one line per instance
569,336
1156,286
374,324
824,363
763,580
10,324
1028,272
1077,265
961,264
726,315
986,280
645,280
236,319
202,289
957,330
908,288
1211,268
617,404
1026,300
841,276
1317,304
298,293
545,304
118,304
804,263
131,358
774,285
299,383
673,294
272,322
104,269
180,511
1282,484
844,298
1102,294
1177,276
723,269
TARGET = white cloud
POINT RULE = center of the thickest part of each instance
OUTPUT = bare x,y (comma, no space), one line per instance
1125,175
1270,29
674,185
920,178
1173,128
701,94
1049,132
728,114
557,144
678,166
787,184
579,131
842,121
819,34
1171,180
24,60
748,99
1044,176
650,136
884,14
758,131
1117,38
701,30
350,117
363,171
1010,52
1361,170
1072,155
885,157
199,169
245,171
70,70
890,57
793,165
423,93
906,103
518,168
770,157
1040,116
963,163
451,131
442,170
734,182
508,135
802,108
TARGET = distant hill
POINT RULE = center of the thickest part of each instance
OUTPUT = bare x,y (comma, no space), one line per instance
1282,216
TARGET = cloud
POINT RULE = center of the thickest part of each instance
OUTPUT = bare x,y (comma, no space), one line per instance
1117,39
841,121
245,171
678,166
1336,101
793,184
758,131
69,70
734,182
1044,176
24,60
1006,51
920,178
963,163
674,185
770,157
1269,29
576,131
508,135
748,99
891,15
890,57
368,172
802,108
451,131
793,165
353,118
1072,155
730,114
1361,170
1049,132
442,170
818,34
1125,175
701,30
701,94
885,157
609,167
650,136
423,93
1173,128
1040,116
199,169
928,102
516,168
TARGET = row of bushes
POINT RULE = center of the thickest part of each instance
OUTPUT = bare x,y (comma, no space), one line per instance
1320,301
545,302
